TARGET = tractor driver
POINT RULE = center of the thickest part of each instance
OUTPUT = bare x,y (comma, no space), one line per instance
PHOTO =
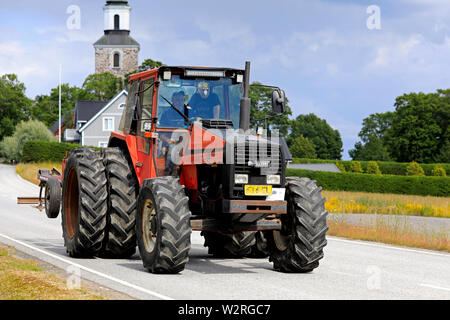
171,117
204,103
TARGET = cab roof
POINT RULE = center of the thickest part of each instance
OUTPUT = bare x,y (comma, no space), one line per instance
147,73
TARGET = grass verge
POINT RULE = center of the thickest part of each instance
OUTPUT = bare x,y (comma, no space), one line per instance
29,171
393,204
398,233
26,280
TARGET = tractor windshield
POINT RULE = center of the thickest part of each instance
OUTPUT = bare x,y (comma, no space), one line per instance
198,98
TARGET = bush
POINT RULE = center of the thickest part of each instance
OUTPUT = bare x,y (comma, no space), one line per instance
9,148
355,167
414,169
386,167
438,171
341,167
39,151
413,185
372,168
29,130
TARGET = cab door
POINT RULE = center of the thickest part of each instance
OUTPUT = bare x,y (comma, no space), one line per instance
145,137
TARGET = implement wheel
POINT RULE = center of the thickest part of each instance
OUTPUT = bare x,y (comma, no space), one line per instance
298,247
84,204
52,198
163,227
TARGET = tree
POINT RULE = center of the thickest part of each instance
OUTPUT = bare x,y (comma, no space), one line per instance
14,105
302,147
373,149
147,64
46,107
327,141
103,86
150,64
419,129
261,107
372,135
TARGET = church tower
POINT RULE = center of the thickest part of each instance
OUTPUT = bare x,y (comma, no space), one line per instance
116,51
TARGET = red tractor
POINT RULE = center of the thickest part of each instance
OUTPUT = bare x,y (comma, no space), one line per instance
184,159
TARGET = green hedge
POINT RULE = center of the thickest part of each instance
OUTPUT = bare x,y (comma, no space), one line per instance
424,186
39,151
386,167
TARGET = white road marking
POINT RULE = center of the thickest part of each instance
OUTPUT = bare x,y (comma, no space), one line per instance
124,283
434,287
388,247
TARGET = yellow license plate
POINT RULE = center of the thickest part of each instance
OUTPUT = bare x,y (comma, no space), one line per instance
258,190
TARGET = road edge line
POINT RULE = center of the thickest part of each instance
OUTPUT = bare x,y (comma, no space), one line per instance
122,282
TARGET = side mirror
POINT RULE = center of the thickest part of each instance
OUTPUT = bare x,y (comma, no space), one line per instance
278,101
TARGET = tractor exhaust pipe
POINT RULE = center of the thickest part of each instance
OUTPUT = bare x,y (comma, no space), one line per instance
244,119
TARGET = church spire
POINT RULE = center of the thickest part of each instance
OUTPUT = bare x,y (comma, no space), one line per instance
116,52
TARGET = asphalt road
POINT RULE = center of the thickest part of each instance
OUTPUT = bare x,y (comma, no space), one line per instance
350,269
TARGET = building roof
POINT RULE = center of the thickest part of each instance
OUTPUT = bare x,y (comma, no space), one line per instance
86,109
54,127
116,2
105,107
113,38
329,167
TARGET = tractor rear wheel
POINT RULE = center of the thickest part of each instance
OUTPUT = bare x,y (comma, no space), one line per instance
84,203
237,245
120,238
298,247
260,249
163,227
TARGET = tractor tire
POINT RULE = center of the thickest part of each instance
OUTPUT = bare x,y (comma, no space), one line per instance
120,237
52,198
260,249
163,227
237,245
84,203
298,247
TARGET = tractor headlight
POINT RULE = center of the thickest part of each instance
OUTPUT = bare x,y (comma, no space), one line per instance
273,179
241,179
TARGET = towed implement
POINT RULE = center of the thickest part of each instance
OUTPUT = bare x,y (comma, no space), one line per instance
184,159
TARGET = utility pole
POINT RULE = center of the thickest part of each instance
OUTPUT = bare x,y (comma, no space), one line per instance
59,128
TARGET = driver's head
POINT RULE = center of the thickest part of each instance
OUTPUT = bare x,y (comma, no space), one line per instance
203,89
178,99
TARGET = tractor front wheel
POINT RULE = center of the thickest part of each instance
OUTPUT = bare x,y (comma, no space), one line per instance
298,247
163,227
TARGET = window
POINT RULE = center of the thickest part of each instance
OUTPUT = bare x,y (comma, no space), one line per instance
116,22
108,124
103,144
116,62
121,106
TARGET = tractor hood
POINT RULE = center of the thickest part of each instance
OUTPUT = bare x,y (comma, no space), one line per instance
225,145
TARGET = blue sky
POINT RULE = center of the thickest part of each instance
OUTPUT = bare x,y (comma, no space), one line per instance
320,52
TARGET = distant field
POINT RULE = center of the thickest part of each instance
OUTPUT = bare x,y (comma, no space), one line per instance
29,171
398,233
364,202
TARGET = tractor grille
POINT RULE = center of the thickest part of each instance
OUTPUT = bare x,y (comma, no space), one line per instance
253,158
249,160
